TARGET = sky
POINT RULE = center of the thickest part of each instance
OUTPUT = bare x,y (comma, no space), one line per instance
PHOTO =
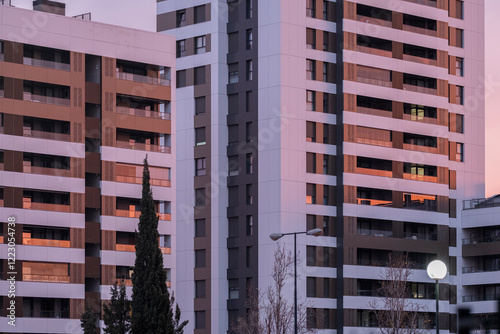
141,14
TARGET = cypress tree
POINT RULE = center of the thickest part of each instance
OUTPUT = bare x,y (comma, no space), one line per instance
88,321
117,313
151,309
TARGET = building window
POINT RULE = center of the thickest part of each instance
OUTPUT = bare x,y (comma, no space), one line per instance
311,8
248,257
249,194
249,163
460,66
200,320
200,228
200,138
234,290
249,70
181,79
200,197
310,100
460,9
248,101
181,18
200,105
200,289
310,69
249,39
459,123
249,9
201,166
311,287
310,193
181,48
199,75
459,38
249,225
460,95
325,10
200,44
233,73
325,72
310,38
200,258
460,152
248,132
199,14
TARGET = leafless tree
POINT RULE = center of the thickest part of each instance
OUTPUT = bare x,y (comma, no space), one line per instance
396,314
275,315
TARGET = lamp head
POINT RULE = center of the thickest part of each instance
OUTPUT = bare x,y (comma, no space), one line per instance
315,232
275,236
437,270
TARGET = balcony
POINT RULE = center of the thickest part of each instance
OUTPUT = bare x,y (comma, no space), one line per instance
481,298
46,171
420,89
471,270
420,236
372,20
417,118
46,135
419,30
477,240
46,278
137,214
479,203
430,3
142,113
419,202
138,180
131,248
374,172
375,233
47,64
372,111
28,204
131,145
27,96
373,51
45,242
425,178
374,76
142,78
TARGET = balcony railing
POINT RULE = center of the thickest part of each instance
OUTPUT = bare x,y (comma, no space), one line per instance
369,262
373,81
142,113
375,172
376,112
372,20
418,205
131,248
373,51
429,3
138,180
128,282
46,242
46,99
420,148
480,298
479,203
425,178
46,135
420,60
423,119
47,63
420,236
137,214
374,202
47,171
376,142
471,270
142,78
419,30
142,147
375,233
420,89
27,204
45,278
471,241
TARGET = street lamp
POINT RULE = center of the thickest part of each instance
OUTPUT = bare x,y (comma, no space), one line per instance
275,236
437,271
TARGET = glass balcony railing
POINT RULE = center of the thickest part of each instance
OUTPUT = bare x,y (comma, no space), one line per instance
46,135
477,240
430,3
138,180
375,233
47,171
420,89
142,146
47,64
46,99
480,298
479,203
416,177
137,214
142,78
27,204
45,278
419,30
420,236
142,113
46,242
131,248
471,270
372,20
374,202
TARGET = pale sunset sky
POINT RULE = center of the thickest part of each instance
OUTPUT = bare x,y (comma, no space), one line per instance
141,14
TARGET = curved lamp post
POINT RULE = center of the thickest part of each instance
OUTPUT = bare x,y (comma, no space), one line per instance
437,271
275,236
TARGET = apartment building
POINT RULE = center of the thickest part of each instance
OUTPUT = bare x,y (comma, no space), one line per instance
360,117
81,105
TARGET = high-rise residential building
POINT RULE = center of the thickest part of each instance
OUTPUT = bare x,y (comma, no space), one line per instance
81,105
364,118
